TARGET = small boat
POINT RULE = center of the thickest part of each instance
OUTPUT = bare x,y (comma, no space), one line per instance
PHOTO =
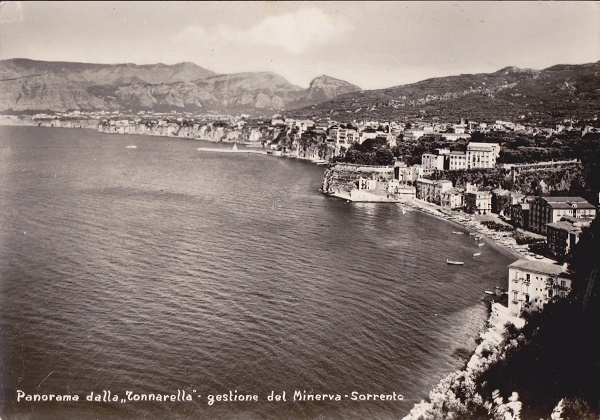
403,211
131,146
458,233
454,262
481,244
477,254
234,148
539,257
472,234
487,292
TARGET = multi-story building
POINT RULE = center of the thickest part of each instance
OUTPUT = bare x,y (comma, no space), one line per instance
452,199
478,202
562,236
532,284
544,210
520,215
430,190
482,155
456,161
431,162
405,174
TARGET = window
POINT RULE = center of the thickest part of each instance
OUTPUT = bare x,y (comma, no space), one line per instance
527,298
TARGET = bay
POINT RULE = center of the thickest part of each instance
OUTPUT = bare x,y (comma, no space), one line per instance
165,268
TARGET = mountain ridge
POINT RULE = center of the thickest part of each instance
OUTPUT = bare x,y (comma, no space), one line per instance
27,85
559,91
562,90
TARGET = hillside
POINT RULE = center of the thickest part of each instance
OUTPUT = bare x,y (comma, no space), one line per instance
511,93
29,85
324,88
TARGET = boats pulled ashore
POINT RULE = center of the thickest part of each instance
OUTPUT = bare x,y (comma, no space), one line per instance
454,262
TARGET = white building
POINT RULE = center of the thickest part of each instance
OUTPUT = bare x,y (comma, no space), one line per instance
431,162
482,155
457,161
532,284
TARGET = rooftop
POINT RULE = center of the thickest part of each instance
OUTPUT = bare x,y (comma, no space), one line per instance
564,226
539,267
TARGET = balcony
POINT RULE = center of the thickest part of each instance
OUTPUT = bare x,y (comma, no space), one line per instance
516,301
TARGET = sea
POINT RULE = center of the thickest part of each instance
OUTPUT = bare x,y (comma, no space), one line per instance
131,276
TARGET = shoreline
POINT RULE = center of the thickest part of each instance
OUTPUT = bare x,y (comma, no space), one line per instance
502,241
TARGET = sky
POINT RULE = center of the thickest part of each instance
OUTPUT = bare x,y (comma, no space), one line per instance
371,44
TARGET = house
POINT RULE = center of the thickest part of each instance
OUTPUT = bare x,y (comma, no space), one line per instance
405,174
482,155
431,162
562,236
478,202
544,210
413,135
456,161
501,202
452,199
430,190
520,215
532,284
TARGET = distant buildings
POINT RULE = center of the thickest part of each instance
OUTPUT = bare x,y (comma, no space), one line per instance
532,284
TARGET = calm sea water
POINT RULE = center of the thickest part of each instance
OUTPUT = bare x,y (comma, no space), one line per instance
164,268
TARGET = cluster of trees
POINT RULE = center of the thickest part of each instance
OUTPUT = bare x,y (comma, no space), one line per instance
370,152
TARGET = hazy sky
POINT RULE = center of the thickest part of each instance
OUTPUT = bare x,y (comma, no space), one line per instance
371,44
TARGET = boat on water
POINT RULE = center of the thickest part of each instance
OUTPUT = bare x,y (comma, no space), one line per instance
487,292
477,254
539,257
458,233
454,262
472,234
481,244
131,146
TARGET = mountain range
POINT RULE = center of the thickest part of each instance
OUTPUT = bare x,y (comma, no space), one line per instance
554,93
29,85
560,91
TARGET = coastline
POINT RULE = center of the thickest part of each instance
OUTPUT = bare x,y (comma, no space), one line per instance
501,241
